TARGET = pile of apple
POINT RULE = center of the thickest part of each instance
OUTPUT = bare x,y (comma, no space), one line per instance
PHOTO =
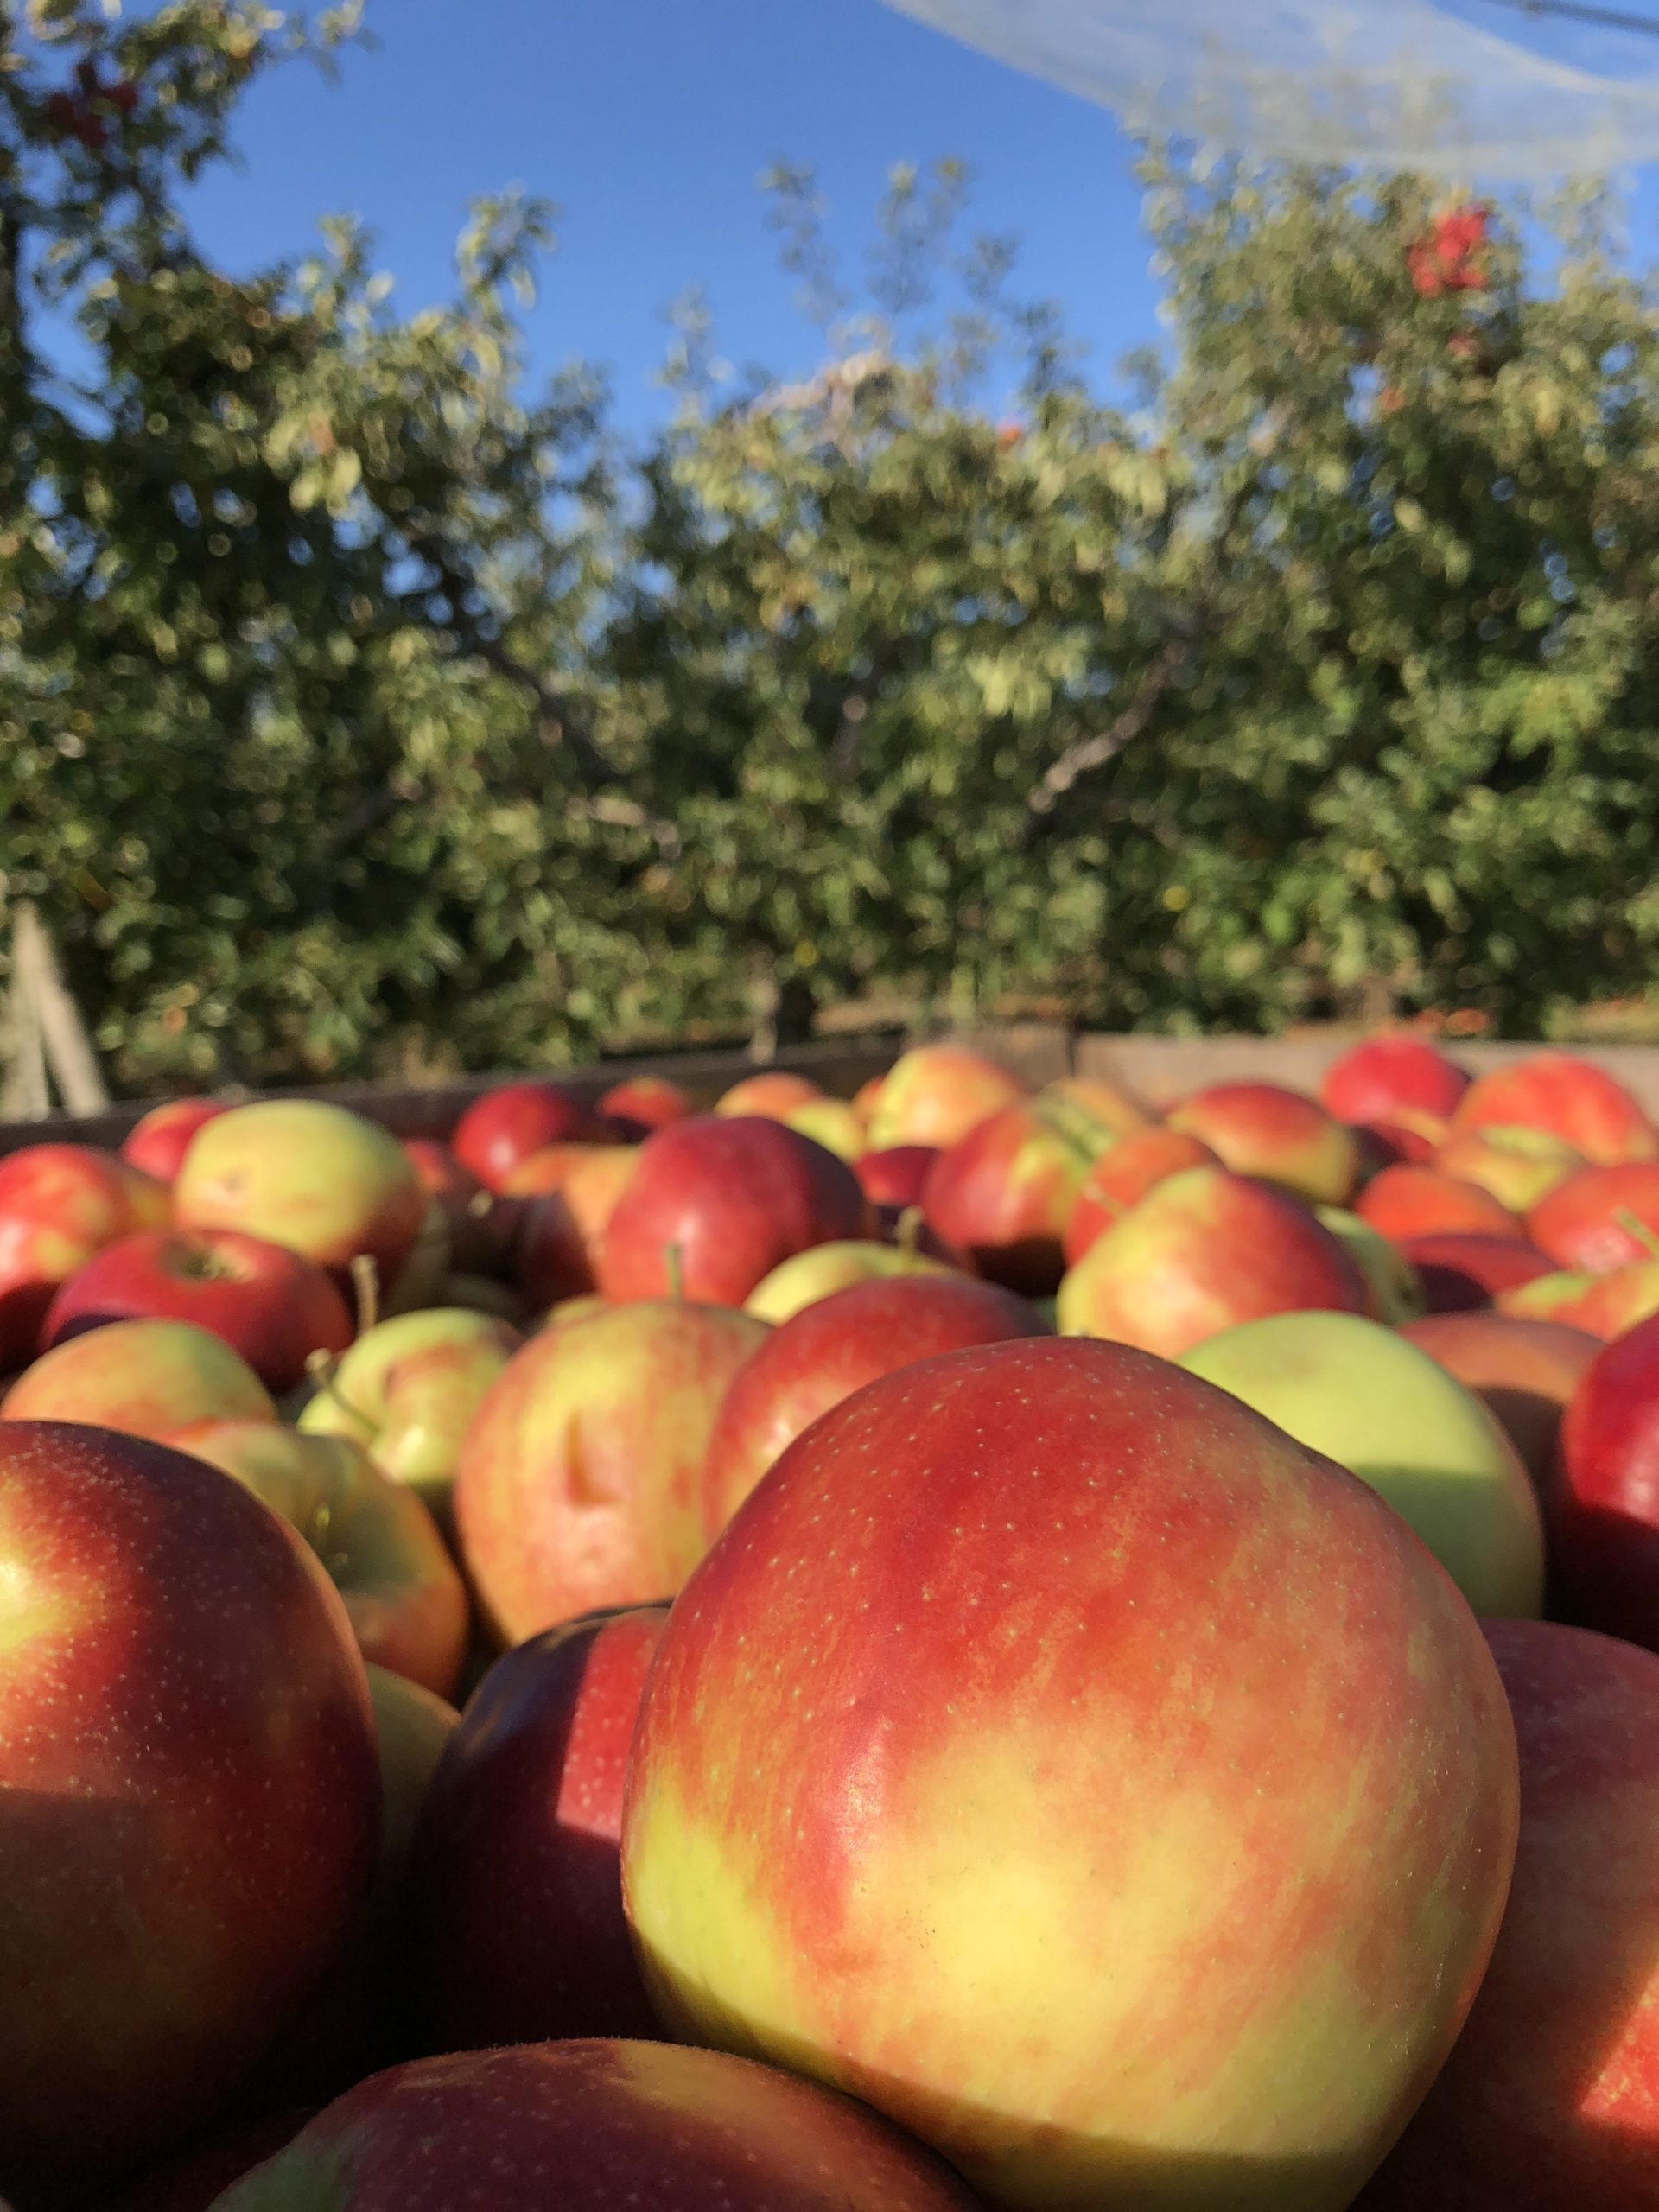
963,1647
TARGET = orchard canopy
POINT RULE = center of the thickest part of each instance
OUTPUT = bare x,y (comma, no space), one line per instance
360,703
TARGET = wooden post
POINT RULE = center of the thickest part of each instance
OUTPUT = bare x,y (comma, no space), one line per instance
48,1031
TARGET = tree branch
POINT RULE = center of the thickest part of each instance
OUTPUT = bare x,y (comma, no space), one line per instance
1095,752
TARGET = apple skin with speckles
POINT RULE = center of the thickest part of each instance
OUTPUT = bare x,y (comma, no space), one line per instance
1114,1792
515,1930
596,2126
189,1794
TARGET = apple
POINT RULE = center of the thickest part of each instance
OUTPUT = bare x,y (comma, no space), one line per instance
324,1182
1566,1097
1359,1394
508,1124
1525,1372
934,1094
1406,1202
1004,1193
1395,1287
1551,2096
144,1378
193,2180
830,1122
640,1103
157,1142
1609,1305
579,1484
1395,1144
407,1392
1063,1759
478,1225
1102,1110
808,1277
833,1348
378,1543
514,1915
1121,1178
187,1794
1372,1081
556,1247
713,1204
266,1302
1602,1502
59,1205
894,1178
593,2125
1519,1166
1204,1250
772,1094
1263,1129
1463,1270
864,1098
1548,1297
1600,1218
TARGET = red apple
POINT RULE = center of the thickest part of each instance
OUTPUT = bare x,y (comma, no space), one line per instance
327,1182
894,1178
831,1349
579,1484
156,1144
1600,1218
1002,1194
1403,1204
515,1119
515,1911
1373,1081
265,1302
1525,1370
59,1205
934,1094
187,1794
1062,1758
1568,1097
1204,1250
1602,1506
1463,1270
771,1094
593,2126
1610,1304
713,1204
1393,1144
1122,1177
1263,1129
633,1107
1551,2096
144,1378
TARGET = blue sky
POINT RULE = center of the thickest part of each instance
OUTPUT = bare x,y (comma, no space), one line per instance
648,121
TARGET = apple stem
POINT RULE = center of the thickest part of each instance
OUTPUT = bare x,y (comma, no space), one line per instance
674,1268
907,1235
365,1283
323,1368
1639,1231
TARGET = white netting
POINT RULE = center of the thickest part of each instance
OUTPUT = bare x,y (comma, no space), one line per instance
1403,84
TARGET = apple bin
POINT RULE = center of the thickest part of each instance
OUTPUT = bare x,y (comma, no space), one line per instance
1029,1621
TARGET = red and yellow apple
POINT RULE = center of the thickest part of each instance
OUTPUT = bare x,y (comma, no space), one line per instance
145,1378
1375,1080
1263,1129
158,1140
59,1205
1566,1097
934,1094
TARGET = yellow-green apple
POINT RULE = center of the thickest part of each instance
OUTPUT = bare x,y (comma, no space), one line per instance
266,1302
1361,1395
1121,1178
145,1378
832,1349
934,1094
188,1795
1063,1759
714,1204
830,1122
805,1278
1602,1501
893,1180
1374,1080
631,1110
407,1392
592,2126
59,1205
1525,1371
555,1246
324,1182
1549,1296
771,1094
515,1929
1003,1194
1598,1220
1263,1129
1551,2097
378,1544
515,1119
1568,1097
1461,1270
1407,1202
158,1140
580,1478
1519,1166
1202,1251
1396,1289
